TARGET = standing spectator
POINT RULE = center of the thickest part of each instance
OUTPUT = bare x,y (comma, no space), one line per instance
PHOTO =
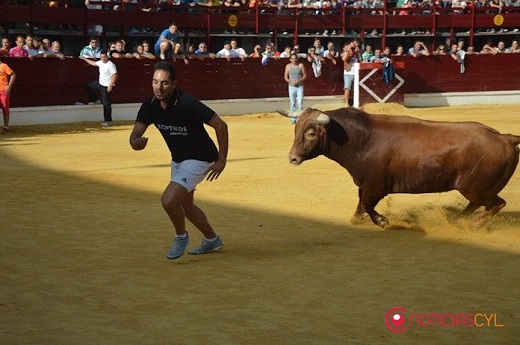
180,118
19,50
7,78
104,85
295,75
6,46
349,57
92,50
318,48
458,54
29,47
166,41
418,49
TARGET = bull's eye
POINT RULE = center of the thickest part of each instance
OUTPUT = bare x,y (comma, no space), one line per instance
310,135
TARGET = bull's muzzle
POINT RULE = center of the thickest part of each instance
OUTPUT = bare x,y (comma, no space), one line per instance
296,160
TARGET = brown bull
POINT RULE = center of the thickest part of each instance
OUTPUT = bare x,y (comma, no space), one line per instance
400,154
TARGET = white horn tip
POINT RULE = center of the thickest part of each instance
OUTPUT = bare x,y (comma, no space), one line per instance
323,119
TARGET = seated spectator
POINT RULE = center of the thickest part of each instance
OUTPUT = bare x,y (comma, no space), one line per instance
6,46
237,51
139,52
257,52
111,46
268,54
55,51
496,6
178,53
441,50
489,48
501,47
378,57
367,54
418,49
146,50
331,53
166,40
286,52
458,6
296,50
119,52
225,52
92,50
471,51
514,48
45,47
202,52
294,4
19,50
386,52
399,51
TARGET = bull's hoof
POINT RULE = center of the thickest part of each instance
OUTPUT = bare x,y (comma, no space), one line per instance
382,221
358,218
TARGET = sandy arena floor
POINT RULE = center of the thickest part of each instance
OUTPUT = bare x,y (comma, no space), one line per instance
84,240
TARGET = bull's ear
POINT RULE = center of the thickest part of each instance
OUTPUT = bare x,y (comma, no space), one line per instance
322,119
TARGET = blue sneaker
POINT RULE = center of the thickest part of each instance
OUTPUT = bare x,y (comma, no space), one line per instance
207,247
178,247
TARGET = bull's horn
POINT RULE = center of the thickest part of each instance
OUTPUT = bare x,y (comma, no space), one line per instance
323,119
283,113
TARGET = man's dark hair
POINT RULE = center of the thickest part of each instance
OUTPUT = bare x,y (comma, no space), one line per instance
103,52
168,67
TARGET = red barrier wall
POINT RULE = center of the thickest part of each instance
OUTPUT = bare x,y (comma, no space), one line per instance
43,82
61,82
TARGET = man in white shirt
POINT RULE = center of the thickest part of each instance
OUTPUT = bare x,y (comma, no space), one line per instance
105,84
237,51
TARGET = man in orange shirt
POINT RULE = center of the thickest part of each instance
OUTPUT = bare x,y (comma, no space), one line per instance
7,78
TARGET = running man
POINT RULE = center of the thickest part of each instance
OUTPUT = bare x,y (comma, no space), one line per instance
180,118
